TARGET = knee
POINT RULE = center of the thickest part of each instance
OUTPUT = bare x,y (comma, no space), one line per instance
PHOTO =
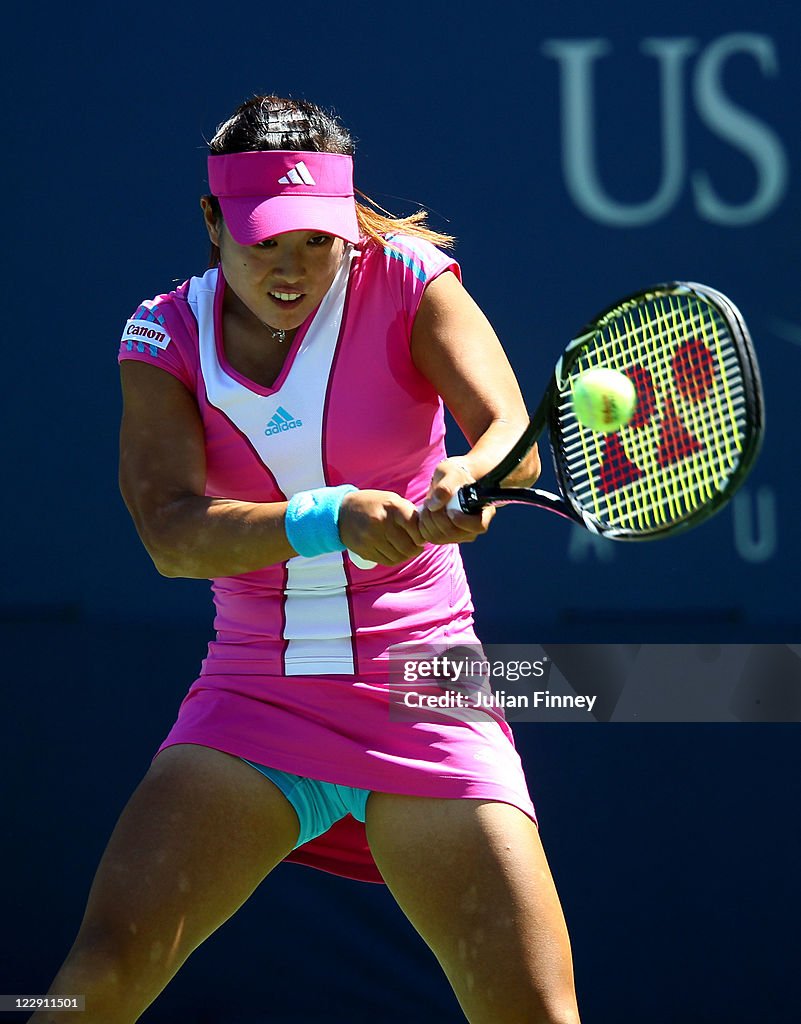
99,955
567,1014
528,1007
108,964
519,1007
538,1014
557,1010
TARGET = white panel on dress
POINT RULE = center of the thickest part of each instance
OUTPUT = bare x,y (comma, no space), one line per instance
317,629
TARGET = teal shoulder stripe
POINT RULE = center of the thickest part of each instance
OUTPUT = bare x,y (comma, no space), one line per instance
410,262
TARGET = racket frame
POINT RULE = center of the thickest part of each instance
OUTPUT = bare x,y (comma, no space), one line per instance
488,489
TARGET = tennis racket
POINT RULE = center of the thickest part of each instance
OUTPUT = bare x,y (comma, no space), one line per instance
692,439
696,429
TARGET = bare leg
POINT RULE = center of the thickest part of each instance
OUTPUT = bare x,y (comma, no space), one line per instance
472,878
198,835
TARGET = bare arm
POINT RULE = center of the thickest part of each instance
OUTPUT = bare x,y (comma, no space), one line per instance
163,480
455,347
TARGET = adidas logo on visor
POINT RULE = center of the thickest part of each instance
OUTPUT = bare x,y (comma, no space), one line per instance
281,422
297,175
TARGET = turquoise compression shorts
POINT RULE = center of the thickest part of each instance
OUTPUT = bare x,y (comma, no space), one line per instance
317,804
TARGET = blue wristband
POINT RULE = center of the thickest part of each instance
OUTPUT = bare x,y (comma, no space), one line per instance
312,520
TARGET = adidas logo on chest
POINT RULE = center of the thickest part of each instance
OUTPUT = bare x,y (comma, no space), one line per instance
281,422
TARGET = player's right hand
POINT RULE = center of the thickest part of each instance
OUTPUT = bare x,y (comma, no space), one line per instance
380,526
440,524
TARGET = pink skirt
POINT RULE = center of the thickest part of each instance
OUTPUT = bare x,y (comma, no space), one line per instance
342,730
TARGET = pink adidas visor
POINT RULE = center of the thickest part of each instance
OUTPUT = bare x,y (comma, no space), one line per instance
267,193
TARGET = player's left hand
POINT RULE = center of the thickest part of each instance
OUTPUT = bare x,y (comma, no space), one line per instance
438,524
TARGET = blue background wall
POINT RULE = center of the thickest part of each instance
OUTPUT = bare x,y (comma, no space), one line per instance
659,835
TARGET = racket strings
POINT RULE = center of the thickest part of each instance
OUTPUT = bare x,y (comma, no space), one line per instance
670,495
686,437
667,490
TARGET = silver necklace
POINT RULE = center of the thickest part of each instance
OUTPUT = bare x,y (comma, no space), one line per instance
278,333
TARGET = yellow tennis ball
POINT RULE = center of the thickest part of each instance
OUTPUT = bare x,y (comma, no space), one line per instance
603,399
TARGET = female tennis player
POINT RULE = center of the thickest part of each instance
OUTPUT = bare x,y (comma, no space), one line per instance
280,411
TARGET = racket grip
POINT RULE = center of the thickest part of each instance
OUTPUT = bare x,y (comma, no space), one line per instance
361,563
457,503
465,500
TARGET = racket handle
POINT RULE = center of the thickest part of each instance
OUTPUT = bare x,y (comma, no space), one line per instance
361,563
457,503
366,563
465,500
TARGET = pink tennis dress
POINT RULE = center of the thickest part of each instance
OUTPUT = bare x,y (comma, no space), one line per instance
297,676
